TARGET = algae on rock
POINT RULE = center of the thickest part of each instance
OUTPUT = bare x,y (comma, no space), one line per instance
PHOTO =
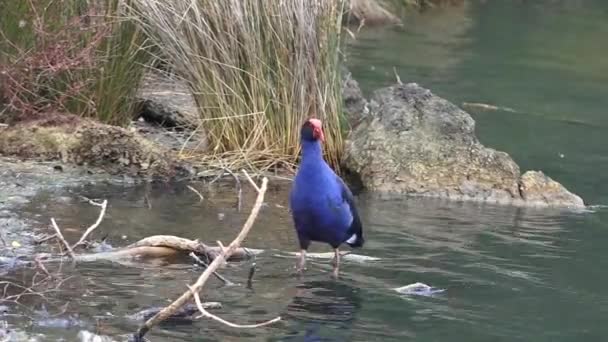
113,149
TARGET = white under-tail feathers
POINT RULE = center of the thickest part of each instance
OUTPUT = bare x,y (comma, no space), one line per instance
352,239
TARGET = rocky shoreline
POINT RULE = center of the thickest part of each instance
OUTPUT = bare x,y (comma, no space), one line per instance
405,141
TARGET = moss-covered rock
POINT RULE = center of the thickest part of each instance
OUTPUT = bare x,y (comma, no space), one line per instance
416,143
114,149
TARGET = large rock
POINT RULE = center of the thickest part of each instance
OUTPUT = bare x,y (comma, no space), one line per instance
355,104
166,100
416,143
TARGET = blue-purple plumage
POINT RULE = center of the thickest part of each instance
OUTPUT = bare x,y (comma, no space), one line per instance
322,205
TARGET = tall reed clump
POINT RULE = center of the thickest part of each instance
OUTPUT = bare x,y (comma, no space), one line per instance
257,69
82,57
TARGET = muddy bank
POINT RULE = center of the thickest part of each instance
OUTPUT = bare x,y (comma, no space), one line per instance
69,152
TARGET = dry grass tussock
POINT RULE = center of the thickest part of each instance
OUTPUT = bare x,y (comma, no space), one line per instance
257,70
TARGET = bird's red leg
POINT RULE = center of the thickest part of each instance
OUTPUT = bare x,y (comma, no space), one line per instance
301,261
336,263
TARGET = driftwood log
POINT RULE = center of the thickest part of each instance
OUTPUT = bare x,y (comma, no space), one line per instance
164,246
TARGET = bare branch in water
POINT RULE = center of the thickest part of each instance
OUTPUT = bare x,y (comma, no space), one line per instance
200,282
46,238
217,275
205,313
89,230
237,181
255,186
62,239
239,190
200,196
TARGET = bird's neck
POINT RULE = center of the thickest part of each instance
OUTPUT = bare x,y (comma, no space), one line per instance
311,152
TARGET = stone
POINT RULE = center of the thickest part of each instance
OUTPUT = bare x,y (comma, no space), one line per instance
370,12
355,104
166,100
538,189
413,142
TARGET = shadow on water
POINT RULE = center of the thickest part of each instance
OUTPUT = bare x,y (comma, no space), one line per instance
325,309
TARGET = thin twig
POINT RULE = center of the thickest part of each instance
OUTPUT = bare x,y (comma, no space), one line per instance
219,243
45,239
397,76
251,181
239,190
62,239
200,196
89,230
205,313
217,275
202,279
147,201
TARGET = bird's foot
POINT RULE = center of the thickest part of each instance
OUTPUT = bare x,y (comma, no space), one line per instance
336,264
300,267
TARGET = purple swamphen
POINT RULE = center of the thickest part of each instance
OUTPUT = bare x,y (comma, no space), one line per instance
322,205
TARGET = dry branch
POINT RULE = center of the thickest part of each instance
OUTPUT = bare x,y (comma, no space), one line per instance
207,314
200,196
62,239
200,282
89,230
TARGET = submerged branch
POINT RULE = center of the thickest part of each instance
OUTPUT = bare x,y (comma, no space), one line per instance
217,275
205,313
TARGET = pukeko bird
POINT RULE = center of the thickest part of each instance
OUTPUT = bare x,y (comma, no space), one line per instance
322,205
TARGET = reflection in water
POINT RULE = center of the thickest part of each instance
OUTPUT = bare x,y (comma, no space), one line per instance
324,305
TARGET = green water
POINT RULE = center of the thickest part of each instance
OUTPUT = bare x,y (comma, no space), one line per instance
510,274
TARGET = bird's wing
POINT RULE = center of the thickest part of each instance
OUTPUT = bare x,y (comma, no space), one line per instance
356,228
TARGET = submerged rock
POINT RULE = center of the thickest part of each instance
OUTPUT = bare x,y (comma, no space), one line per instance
416,143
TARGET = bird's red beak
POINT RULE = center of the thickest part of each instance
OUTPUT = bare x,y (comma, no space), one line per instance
317,131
